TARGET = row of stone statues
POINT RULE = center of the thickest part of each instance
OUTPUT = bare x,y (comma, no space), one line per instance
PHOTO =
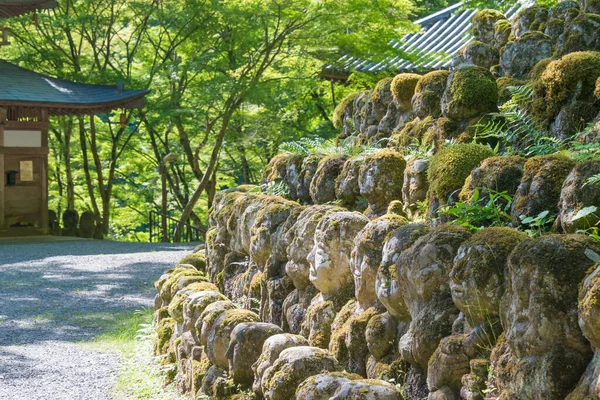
554,50
74,225
447,313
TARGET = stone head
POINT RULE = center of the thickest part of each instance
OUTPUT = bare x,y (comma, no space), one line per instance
301,241
539,309
477,276
330,256
387,284
366,257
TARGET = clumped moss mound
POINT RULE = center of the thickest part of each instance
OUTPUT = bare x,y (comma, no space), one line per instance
403,87
471,91
573,75
451,166
198,260
382,87
345,106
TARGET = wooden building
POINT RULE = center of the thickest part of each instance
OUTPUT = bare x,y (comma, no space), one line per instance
27,101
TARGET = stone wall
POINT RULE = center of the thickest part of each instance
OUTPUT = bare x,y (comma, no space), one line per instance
355,287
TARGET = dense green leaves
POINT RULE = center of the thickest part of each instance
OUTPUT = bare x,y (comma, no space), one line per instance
231,80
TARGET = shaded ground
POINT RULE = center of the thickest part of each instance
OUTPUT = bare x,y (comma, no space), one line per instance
55,294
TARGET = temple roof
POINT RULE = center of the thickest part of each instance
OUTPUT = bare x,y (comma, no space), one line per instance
441,36
25,88
12,8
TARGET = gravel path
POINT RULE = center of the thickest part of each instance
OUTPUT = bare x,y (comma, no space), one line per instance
56,293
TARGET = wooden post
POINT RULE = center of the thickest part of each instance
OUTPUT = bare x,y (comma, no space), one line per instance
163,212
44,225
2,176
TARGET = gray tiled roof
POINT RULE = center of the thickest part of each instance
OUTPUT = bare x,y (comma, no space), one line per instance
441,36
22,86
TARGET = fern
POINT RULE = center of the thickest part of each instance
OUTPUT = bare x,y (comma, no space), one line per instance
349,147
515,128
276,189
592,180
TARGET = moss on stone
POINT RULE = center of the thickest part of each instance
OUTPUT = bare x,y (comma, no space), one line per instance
574,73
413,131
503,84
202,286
500,242
549,172
487,15
340,110
381,87
236,316
403,87
397,208
499,174
256,285
322,186
198,260
451,166
501,25
164,332
471,91
434,79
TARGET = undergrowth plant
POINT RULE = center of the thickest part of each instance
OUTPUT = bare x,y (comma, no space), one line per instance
276,188
479,213
517,133
308,146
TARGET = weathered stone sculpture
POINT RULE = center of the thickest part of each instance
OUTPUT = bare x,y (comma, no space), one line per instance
322,187
380,180
348,328
292,367
477,285
330,273
299,242
414,186
543,359
498,174
575,195
424,283
245,348
271,349
447,173
540,186
70,222
589,319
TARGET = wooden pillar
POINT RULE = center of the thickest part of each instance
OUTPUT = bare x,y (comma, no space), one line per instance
2,176
44,174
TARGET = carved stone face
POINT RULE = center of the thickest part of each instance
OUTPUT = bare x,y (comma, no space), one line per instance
366,257
589,309
424,281
387,283
476,279
301,241
538,310
330,256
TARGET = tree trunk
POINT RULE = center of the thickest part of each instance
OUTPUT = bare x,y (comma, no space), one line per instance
230,106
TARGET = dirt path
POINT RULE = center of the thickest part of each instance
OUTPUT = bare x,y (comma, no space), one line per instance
56,294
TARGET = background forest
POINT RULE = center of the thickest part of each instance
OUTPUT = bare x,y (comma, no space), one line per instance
229,81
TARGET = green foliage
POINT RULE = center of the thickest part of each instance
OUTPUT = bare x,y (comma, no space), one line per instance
276,189
592,231
514,129
233,79
536,226
477,213
308,146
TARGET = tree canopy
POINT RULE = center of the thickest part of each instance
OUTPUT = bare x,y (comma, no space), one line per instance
230,81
